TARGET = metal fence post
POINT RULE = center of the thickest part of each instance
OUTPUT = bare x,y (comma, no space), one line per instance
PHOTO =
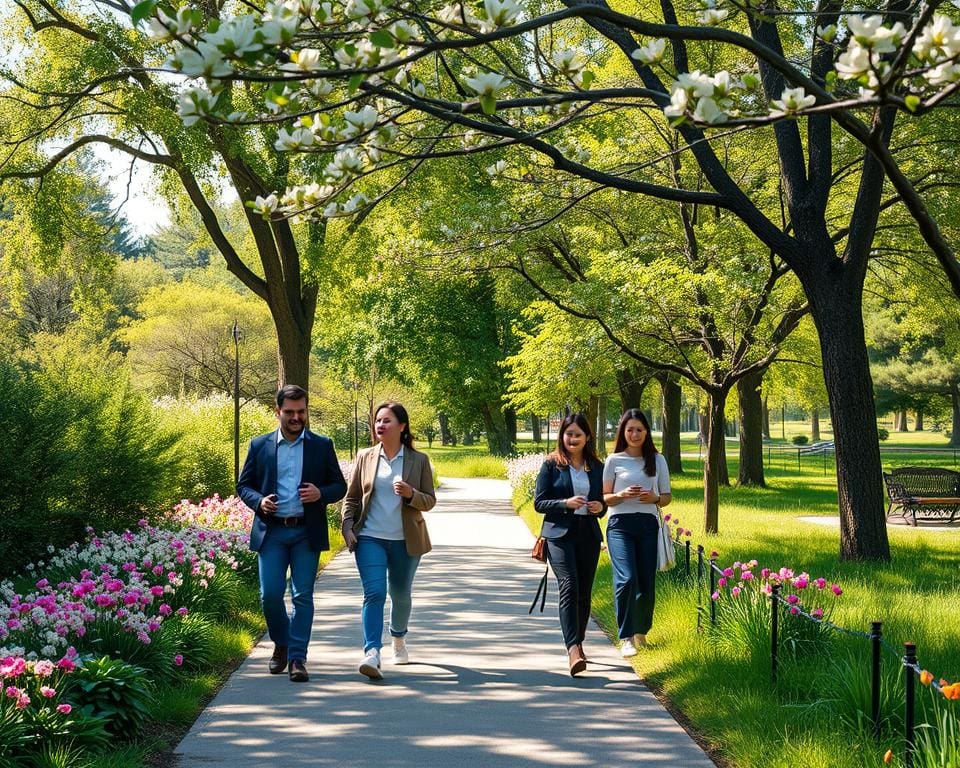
699,587
713,588
774,631
909,661
686,555
875,635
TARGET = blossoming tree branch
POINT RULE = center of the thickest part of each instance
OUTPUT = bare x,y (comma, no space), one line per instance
572,89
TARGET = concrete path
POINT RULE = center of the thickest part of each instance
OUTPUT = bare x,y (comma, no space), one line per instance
488,686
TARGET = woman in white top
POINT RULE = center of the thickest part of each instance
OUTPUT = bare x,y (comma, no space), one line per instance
635,482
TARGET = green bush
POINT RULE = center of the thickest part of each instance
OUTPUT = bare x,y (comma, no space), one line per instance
114,691
105,638
800,440
192,639
883,434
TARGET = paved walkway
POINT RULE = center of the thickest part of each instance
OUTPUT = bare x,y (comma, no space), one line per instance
489,686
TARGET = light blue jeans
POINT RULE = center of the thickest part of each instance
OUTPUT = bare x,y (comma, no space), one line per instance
285,548
383,565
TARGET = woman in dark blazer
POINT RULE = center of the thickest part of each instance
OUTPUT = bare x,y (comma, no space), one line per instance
569,495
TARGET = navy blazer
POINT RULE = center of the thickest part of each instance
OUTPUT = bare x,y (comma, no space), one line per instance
320,467
553,489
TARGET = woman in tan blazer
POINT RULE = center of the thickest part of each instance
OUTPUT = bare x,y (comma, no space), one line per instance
383,526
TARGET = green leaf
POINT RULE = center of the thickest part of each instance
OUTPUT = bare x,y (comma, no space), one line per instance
382,39
912,102
588,78
488,104
355,82
142,10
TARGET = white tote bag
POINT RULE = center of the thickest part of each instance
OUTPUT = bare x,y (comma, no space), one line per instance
666,553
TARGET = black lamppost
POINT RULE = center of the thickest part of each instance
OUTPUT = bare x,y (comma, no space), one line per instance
236,401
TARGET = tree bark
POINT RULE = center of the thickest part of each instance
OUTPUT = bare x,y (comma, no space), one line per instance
600,434
631,382
592,409
445,437
901,420
836,309
670,441
510,417
918,426
713,461
535,428
495,426
765,415
751,430
815,424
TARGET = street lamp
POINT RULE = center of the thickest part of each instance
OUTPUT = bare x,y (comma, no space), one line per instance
236,401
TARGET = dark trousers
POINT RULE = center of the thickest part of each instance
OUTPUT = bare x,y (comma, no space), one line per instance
574,561
632,544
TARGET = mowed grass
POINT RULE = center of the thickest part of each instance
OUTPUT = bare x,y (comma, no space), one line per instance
464,461
727,696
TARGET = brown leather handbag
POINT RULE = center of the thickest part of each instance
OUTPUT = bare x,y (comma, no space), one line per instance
539,551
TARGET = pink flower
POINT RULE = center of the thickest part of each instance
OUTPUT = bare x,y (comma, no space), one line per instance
23,702
715,596
793,599
735,591
728,572
164,610
817,613
794,611
820,583
836,589
182,612
666,518
47,692
13,692
43,584
721,582
43,668
714,554
64,709
764,573
747,576
66,664
178,660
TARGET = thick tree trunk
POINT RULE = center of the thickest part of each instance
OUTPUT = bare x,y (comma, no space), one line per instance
955,400
498,437
510,417
901,421
670,441
293,355
592,409
713,461
765,413
445,437
918,426
815,424
535,428
751,430
836,310
631,382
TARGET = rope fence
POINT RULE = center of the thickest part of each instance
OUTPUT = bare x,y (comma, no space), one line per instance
707,573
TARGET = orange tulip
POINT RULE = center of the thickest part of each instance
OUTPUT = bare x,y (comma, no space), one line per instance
926,678
951,691
888,756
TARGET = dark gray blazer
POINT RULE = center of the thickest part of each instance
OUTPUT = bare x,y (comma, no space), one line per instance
553,488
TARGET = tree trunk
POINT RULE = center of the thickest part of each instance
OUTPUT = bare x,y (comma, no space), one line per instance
445,437
751,430
293,355
631,382
600,433
592,409
535,428
765,415
670,440
901,419
955,400
713,461
498,437
815,425
722,466
918,426
510,417
836,309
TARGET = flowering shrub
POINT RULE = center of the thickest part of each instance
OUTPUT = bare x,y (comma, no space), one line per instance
229,514
118,582
522,474
742,602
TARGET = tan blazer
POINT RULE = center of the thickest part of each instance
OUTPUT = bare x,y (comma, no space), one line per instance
416,472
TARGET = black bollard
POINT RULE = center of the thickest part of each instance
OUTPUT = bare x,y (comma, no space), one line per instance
774,631
875,635
910,662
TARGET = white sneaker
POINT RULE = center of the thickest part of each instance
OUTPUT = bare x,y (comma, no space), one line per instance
400,654
370,666
627,648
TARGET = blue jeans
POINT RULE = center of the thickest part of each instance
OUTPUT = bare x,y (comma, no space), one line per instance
632,545
285,548
381,561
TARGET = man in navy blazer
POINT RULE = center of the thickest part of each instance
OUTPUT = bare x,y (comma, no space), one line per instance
288,479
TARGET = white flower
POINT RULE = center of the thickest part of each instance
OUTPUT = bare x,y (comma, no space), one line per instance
939,38
501,13
486,83
363,120
266,205
456,14
306,59
295,139
707,111
678,103
651,52
943,73
358,9
828,33
404,31
869,32
319,88
206,61
331,210
712,16
569,61
355,202
698,82
497,168
722,84
793,100
193,104
236,37
853,62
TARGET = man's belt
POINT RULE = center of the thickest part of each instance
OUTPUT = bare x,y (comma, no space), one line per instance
283,522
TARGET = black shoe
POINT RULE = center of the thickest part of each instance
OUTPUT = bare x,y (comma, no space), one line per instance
278,662
298,671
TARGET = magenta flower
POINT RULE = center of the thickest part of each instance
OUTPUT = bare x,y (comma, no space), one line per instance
747,576
178,660
47,692
793,599
817,613
715,596
64,709
764,573
794,611
836,589
735,591
43,668
66,665
183,611
43,584
164,610
820,583
721,582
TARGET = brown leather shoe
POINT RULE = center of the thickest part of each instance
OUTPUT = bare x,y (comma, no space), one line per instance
577,662
278,662
298,671
582,652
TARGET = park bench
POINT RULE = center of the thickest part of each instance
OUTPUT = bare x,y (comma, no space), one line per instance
923,493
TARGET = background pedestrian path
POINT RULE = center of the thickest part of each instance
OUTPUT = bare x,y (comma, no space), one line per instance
487,686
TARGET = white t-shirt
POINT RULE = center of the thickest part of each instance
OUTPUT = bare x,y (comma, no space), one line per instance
626,470
580,480
384,518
